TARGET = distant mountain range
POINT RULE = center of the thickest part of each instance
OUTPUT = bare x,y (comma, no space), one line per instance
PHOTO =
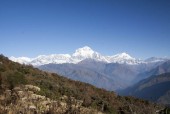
159,69
109,72
82,54
148,79
155,88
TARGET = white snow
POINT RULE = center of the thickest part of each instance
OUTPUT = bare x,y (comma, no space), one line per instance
123,58
85,52
79,55
22,60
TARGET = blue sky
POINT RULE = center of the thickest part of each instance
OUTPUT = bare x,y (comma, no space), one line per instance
33,27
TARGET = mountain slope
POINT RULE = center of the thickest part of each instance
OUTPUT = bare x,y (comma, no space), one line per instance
14,77
160,68
83,74
155,88
111,76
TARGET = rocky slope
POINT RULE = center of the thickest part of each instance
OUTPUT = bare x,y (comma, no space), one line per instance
26,100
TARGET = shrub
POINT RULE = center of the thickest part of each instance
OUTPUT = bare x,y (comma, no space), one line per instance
15,78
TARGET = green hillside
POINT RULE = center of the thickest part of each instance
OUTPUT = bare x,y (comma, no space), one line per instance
76,97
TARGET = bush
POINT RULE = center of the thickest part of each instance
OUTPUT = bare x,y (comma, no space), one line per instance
87,101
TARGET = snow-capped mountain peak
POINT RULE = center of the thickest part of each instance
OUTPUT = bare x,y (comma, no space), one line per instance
53,58
123,56
85,52
22,60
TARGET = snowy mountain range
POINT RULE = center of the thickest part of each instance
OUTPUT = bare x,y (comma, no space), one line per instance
86,65
82,54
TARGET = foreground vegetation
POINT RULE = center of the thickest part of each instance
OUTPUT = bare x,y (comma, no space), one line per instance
54,87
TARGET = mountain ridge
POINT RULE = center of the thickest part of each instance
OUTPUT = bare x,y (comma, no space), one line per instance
82,54
155,88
